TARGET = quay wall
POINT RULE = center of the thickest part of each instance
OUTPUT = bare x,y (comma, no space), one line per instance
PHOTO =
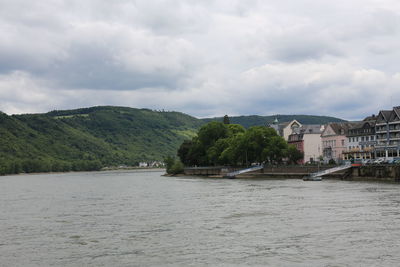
208,171
371,172
268,171
376,172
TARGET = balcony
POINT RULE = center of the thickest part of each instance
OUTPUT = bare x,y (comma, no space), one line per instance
358,150
380,144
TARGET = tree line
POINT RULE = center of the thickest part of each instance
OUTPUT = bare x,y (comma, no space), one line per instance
220,143
15,166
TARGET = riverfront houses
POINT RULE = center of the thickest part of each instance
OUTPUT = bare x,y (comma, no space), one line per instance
333,140
376,136
361,140
307,139
387,130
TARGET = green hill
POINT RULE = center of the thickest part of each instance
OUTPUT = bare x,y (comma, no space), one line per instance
255,120
91,138
86,139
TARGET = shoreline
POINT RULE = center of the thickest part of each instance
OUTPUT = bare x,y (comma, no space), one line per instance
110,170
279,176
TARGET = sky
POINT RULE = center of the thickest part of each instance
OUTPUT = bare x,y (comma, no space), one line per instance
201,57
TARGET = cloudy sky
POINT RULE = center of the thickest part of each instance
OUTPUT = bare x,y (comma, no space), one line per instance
204,58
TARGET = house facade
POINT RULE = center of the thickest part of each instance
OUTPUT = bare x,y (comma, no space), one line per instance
297,141
307,139
361,140
387,129
285,129
333,140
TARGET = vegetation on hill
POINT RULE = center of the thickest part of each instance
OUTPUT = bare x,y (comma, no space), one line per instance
92,138
88,139
255,120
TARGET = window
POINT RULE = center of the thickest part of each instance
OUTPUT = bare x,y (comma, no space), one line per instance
342,142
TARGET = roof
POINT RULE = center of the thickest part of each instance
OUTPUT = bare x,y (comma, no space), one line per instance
279,127
342,128
386,114
397,110
370,118
358,128
311,129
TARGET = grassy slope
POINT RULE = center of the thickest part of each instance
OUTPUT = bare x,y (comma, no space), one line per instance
112,135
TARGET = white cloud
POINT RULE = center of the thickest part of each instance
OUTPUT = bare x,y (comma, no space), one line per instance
204,58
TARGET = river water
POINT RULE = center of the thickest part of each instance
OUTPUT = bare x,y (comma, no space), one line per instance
135,218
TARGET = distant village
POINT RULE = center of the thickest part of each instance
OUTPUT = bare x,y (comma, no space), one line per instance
375,138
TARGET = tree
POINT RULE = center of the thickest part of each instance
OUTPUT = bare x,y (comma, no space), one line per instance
211,132
169,161
234,129
276,149
232,144
173,166
176,168
226,119
214,152
184,152
294,155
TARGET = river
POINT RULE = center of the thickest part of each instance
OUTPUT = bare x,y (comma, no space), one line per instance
137,218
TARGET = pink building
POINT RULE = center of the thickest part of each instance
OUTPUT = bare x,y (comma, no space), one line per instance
334,141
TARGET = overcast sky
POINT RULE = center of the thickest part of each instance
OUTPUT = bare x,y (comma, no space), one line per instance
205,58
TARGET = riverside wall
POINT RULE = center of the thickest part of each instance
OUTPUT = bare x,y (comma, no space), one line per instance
371,172
376,172
267,172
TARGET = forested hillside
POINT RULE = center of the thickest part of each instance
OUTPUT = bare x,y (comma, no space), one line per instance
87,139
255,120
91,138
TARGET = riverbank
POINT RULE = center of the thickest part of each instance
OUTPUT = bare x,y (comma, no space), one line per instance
102,170
367,173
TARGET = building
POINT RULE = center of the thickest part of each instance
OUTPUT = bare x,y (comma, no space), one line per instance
285,129
143,164
387,129
334,141
361,140
307,139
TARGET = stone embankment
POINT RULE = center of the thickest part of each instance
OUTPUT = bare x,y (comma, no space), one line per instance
371,172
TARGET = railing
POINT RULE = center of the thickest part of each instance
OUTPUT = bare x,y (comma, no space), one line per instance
233,174
332,170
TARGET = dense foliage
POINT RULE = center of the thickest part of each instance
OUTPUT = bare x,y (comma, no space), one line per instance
88,139
231,144
173,166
